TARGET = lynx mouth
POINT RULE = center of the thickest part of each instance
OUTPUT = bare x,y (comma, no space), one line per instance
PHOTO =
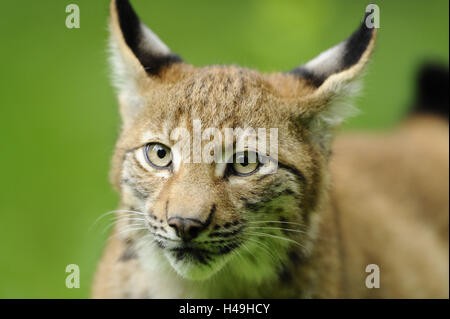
198,262
196,254
193,254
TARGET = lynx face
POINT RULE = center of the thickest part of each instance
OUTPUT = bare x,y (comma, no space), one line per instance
202,214
246,211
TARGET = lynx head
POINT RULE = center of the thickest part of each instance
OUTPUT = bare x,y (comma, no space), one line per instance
236,213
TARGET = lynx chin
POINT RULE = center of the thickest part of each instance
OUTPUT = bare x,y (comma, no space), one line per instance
225,229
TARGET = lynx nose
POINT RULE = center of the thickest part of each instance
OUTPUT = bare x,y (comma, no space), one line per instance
186,228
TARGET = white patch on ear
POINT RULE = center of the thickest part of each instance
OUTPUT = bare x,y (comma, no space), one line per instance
327,61
127,71
323,125
152,43
341,82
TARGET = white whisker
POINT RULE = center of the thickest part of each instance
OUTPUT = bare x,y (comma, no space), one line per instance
278,228
277,237
119,219
130,213
266,248
274,221
130,230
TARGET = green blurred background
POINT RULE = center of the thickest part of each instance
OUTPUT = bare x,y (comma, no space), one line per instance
59,116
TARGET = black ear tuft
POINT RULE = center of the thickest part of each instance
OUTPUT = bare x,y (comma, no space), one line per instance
152,59
129,24
356,45
339,58
432,90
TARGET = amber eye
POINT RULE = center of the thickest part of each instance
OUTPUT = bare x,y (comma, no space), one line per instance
245,163
158,155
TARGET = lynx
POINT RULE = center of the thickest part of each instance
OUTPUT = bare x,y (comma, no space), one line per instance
309,228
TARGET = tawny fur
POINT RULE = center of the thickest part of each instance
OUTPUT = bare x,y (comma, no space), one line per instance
389,209
367,199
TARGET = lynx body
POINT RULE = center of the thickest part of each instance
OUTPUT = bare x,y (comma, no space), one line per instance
307,230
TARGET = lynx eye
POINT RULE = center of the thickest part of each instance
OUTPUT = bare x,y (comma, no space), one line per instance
158,155
245,163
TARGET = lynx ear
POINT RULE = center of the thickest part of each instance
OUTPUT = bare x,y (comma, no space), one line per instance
136,52
333,76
